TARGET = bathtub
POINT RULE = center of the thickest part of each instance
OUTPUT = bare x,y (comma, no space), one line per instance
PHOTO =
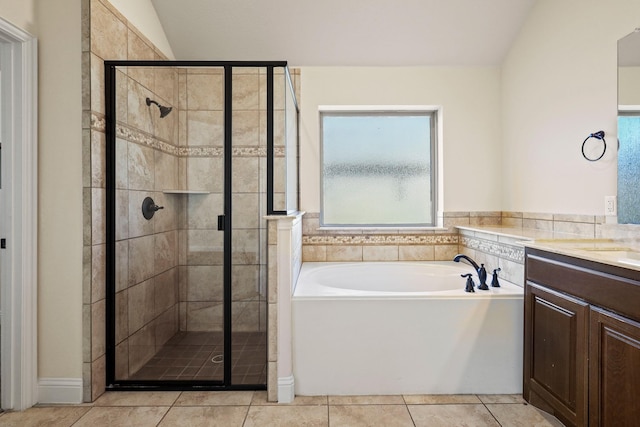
404,328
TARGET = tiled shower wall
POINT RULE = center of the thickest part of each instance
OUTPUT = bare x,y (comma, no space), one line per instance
146,250
146,288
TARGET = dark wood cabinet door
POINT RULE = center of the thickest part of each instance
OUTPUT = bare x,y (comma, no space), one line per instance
614,371
555,360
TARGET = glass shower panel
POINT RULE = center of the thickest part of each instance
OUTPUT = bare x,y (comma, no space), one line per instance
169,252
248,244
291,145
285,142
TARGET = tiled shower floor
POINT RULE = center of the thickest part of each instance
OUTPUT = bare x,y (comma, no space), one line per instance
199,356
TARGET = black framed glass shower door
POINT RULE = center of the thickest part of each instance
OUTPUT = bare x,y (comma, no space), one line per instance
186,261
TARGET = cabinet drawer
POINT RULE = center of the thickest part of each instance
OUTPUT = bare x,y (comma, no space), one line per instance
614,288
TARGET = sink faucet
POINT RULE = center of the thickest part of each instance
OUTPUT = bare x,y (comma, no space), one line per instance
482,272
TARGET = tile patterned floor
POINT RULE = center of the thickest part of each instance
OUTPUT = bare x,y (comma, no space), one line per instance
249,409
198,356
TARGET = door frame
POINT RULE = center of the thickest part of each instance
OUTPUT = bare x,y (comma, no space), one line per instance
18,60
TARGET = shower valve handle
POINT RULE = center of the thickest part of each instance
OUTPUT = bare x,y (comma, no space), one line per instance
149,208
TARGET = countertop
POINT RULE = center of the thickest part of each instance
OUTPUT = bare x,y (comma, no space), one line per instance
621,253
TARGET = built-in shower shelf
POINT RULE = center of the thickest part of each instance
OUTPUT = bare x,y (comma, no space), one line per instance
186,192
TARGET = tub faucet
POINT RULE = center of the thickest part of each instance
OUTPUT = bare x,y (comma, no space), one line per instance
482,272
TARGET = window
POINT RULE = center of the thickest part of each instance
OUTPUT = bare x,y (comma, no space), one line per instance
378,168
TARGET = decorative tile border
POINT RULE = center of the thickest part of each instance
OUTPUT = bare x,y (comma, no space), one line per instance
381,239
98,123
491,247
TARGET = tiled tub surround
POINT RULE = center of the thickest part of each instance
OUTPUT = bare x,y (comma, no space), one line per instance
491,238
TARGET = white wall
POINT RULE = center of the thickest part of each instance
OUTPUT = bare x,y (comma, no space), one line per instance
559,85
142,14
57,27
20,13
470,98
60,189
629,85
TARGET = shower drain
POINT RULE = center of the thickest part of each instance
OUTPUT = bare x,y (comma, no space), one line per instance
217,359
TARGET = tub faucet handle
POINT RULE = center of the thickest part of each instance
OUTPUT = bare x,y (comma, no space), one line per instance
469,286
494,281
482,277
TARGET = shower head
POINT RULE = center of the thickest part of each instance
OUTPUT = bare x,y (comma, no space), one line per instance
164,111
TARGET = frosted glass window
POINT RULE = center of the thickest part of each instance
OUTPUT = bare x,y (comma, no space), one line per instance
377,168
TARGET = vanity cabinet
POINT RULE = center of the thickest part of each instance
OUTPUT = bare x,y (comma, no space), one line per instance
582,340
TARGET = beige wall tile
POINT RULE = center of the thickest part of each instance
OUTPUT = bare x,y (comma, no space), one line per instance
141,300
108,33
204,283
165,171
165,256
98,379
416,253
98,272
246,128
445,252
166,291
204,247
96,83
205,91
344,253
122,265
580,228
245,285
205,128
314,253
138,224
245,175
204,173
122,316
204,316
166,85
246,210
202,210
246,316
246,92
98,199
141,167
141,348
122,214
122,360
138,112
166,326
246,246
380,253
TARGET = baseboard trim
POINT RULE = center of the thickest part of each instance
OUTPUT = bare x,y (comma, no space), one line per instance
286,389
60,390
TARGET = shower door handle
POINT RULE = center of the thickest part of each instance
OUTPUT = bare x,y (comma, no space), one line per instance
221,223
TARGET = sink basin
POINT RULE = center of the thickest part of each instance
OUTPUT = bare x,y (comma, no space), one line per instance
624,256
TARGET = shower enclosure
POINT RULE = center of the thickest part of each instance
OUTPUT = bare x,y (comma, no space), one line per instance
198,152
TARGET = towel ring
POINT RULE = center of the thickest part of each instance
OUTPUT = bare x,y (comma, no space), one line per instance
597,135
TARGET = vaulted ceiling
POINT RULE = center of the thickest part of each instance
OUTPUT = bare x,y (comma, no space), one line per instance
344,32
